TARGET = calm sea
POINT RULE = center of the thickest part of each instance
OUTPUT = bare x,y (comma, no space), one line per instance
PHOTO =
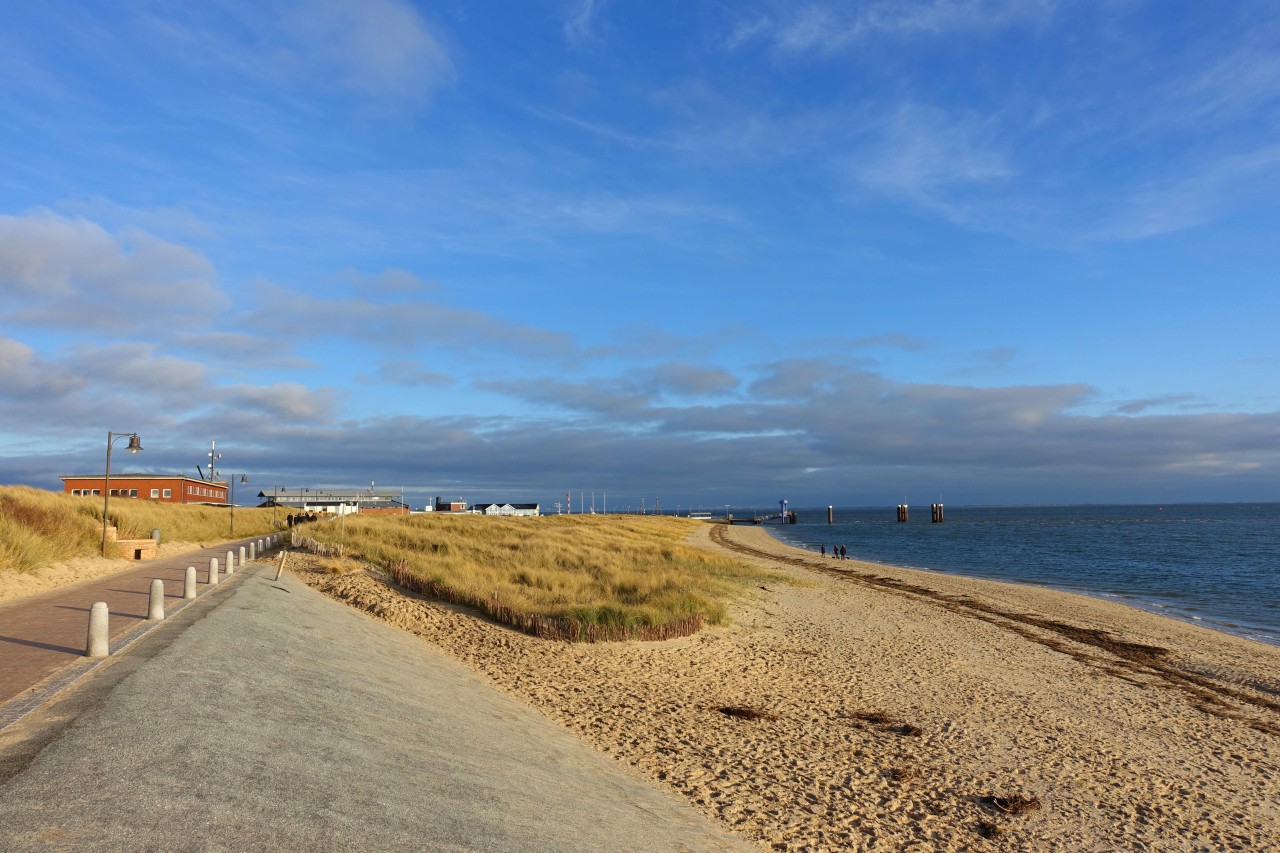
1217,565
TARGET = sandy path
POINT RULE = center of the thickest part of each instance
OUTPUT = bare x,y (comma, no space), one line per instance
902,701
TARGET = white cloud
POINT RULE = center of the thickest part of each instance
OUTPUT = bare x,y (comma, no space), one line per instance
26,376
380,48
286,402
71,273
924,153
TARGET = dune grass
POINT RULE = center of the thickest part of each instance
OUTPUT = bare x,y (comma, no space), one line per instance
39,527
614,571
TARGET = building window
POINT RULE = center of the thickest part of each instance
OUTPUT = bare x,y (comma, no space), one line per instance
133,493
168,493
97,491
155,493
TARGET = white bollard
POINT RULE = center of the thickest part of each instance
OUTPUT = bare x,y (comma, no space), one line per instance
213,570
231,563
189,584
252,554
98,643
242,555
155,607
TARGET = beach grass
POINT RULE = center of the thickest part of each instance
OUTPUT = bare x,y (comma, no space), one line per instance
614,572
38,527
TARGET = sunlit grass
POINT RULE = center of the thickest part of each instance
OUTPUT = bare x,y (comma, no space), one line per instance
617,571
39,527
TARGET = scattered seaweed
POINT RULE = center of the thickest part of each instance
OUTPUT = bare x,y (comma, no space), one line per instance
885,722
1013,804
876,718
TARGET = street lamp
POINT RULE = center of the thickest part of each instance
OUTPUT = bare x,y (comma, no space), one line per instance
244,478
135,444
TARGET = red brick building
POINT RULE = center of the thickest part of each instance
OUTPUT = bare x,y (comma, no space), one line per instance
156,487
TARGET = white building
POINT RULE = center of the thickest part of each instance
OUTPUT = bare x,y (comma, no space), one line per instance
506,509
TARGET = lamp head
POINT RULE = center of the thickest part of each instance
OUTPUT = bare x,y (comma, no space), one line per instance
135,443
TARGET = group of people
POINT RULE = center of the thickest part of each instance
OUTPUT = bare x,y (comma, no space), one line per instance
837,551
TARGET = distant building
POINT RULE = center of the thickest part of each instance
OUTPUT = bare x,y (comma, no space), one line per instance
155,487
506,509
443,505
337,501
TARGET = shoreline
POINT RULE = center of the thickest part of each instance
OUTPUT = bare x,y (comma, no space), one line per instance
894,708
1156,606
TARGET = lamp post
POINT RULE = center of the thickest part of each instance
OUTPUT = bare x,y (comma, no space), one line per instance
135,444
244,478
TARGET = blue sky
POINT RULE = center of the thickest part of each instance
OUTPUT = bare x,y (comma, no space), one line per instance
852,253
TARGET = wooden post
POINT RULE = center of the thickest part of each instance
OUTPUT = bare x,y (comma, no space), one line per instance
280,570
831,514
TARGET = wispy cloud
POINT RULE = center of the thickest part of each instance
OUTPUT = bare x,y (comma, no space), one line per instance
833,26
381,51
579,25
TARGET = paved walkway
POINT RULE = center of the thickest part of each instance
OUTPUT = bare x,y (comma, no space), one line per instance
268,717
42,639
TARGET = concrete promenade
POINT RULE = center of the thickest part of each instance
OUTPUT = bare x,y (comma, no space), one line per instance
42,637
267,717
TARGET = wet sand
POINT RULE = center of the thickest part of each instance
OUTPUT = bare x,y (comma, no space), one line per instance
870,708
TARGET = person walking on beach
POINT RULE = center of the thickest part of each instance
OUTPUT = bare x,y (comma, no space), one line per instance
842,553
823,549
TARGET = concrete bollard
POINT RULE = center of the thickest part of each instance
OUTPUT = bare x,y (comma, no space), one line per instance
242,555
189,584
252,555
98,643
155,606
231,563
213,570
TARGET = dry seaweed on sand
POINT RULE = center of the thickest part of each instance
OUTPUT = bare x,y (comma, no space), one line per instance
1012,803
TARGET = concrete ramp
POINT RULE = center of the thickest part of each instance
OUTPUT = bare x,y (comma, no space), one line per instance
273,718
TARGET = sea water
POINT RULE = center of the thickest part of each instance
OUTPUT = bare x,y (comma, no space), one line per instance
1217,565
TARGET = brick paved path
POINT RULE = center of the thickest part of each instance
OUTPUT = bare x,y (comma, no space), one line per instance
42,639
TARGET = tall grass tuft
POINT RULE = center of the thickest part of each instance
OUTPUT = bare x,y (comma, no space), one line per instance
604,576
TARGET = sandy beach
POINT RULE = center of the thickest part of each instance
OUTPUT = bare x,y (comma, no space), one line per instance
862,707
